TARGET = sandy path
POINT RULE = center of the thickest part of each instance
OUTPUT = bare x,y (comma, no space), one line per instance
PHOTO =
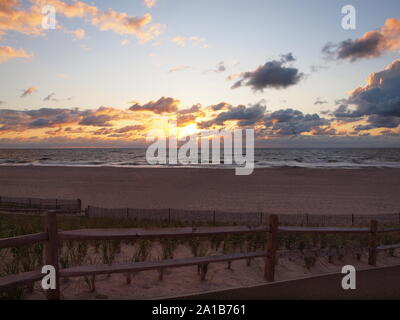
285,190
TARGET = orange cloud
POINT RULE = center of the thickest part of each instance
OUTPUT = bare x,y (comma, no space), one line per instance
28,91
181,41
12,18
150,3
8,53
108,20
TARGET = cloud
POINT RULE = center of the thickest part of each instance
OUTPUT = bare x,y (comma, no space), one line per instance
126,129
179,68
194,40
245,116
13,120
79,34
108,20
372,44
100,117
294,122
162,105
8,53
13,18
28,91
320,101
150,3
273,74
124,42
377,121
49,97
380,96
221,67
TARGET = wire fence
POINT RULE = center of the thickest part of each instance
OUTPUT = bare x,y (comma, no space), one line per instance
17,204
247,218
38,204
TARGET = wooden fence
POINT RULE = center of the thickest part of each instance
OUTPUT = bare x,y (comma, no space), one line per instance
247,218
16,204
52,237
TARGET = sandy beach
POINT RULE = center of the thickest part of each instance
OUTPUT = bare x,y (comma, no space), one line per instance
281,191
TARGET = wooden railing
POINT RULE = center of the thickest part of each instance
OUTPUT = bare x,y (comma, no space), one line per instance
52,237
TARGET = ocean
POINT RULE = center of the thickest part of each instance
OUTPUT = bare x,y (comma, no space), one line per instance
263,158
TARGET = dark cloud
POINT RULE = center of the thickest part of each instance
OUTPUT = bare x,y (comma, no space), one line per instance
273,74
49,97
245,116
354,49
379,99
371,44
220,67
40,123
101,120
162,105
293,122
194,109
320,101
376,121
126,129
220,106
44,117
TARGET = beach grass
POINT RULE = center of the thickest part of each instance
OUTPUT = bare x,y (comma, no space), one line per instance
74,253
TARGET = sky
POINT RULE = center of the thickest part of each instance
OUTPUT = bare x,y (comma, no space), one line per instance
111,71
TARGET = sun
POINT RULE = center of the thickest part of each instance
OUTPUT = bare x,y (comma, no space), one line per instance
187,130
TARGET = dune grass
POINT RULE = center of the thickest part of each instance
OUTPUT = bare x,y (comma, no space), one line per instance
74,253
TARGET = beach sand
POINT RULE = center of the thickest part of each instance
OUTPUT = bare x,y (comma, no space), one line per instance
285,190
277,190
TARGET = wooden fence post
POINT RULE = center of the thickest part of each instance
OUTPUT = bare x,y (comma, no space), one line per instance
372,242
352,220
272,243
214,217
79,205
51,252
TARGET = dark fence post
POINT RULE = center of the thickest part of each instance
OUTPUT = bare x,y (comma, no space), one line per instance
352,220
169,215
372,242
306,219
79,205
214,217
272,242
51,252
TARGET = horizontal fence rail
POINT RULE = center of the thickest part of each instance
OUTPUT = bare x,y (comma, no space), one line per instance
248,218
52,237
17,204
